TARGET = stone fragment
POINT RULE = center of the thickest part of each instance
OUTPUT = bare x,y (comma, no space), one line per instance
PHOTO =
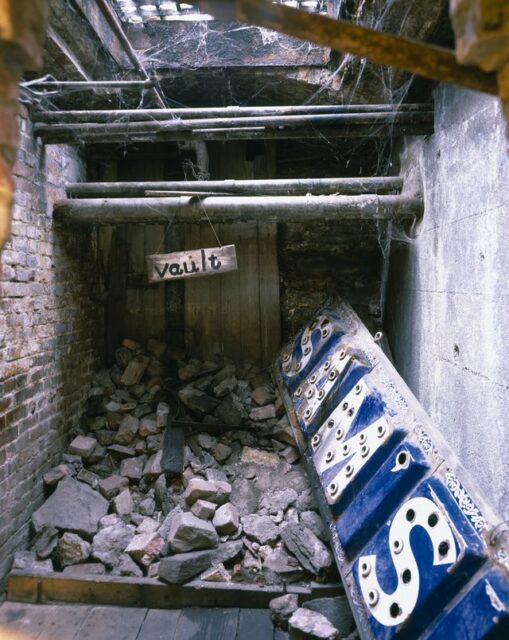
309,550
147,506
147,525
181,567
226,519
312,521
204,509
197,401
73,507
145,547
56,474
282,563
120,452
213,491
263,413
148,427
229,411
162,413
105,437
153,570
132,345
206,441
164,529
123,503
260,380
189,533
88,477
156,347
109,487
260,528
283,432
154,443
152,468
26,561
215,475
216,573
86,569
123,356
45,542
142,410
282,608
336,610
132,468
310,625
221,452
127,430
290,454
279,500
189,371
134,371
109,520
83,446
72,549
225,387
259,456
110,542
126,566
262,396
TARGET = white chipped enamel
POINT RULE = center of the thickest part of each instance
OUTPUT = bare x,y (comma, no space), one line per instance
355,458
342,420
405,595
336,364
307,333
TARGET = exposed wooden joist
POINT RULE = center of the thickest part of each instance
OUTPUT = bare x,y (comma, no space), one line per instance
428,61
84,85
141,115
256,127
114,22
237,208
317,186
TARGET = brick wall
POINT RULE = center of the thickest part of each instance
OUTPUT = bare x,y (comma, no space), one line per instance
51,333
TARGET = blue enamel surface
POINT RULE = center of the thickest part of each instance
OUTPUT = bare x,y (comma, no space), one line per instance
438,584
463,595
371,506
482,611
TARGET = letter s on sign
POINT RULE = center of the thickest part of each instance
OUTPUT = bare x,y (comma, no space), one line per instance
392,609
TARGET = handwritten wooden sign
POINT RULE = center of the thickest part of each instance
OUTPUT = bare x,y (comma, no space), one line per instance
191,264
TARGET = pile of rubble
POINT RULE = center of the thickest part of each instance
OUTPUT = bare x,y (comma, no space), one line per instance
241,510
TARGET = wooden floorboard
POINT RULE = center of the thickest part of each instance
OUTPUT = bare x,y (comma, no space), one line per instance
117,623
255,624
207,624
19,621
160,624
36,622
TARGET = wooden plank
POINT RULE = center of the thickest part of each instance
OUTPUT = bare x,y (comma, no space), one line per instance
270,321
159,624
117,287
212,332
247,250
208,624
192,296
154,298
172,460
230,302
255,624
123,623
191,264
428,61
40,622
134,320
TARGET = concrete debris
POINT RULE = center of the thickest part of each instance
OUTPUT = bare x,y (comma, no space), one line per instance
282,609
305,624
336,610
241,511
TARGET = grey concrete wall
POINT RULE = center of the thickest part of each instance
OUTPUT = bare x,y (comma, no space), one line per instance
447,310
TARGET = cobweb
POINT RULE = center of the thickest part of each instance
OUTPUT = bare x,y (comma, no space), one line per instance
343,82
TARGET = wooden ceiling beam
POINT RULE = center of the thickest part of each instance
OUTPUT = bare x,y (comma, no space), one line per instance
428,61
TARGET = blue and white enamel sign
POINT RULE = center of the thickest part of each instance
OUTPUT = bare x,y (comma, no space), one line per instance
413,538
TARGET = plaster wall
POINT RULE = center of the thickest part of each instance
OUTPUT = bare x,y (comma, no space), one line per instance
447,313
